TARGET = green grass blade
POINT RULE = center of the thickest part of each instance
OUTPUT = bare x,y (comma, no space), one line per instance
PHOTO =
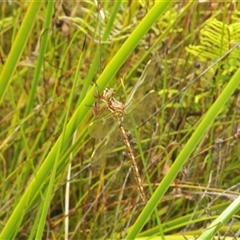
42,50
221,220
96,60
185,153
130,44
81,112
18,46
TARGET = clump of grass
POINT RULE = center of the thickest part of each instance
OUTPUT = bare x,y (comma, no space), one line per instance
186,153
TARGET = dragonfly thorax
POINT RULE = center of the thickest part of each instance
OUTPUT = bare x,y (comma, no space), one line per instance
108,94
116,107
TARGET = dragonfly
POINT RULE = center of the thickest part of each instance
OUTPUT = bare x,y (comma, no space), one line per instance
118,113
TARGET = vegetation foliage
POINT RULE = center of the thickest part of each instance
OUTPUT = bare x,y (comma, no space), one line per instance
57,181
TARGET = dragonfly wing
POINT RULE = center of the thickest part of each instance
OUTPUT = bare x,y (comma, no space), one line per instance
141,110
102,127
106,132
105,145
